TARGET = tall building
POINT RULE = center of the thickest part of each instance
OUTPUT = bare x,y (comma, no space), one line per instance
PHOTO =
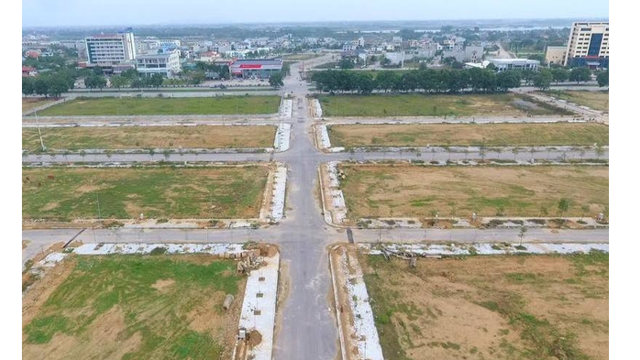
588,45
167,64
555,55
112,49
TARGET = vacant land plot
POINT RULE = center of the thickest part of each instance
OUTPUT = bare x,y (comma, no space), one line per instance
598,100
32,103
422,191
469,134
435,105
138,137
124,193
133,307
491,307
300,57
170,106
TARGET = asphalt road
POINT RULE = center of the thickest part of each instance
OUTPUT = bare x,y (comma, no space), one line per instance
308,328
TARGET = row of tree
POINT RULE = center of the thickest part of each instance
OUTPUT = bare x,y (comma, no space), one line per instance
53,85
478,80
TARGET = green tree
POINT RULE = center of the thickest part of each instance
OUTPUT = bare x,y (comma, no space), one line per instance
119,81
563,206
364,83
40,86
580,74
346,64
156,80
95,82
508,79
197,77
543,79
386,80
603,78
27,85
275,80
56,86
130,74
560,75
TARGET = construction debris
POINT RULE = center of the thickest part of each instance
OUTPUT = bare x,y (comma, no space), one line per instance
227,302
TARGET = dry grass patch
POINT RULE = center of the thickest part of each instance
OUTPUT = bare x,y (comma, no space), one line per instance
111,307
575,134
136,137
418,191
32,103
498,307
597,100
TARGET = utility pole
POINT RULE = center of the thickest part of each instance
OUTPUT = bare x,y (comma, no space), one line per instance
99,213
40,133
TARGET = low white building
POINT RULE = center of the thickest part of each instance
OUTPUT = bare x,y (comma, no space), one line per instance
167,64
515,64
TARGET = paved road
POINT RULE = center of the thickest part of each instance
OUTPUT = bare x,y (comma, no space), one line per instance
315,158
308,326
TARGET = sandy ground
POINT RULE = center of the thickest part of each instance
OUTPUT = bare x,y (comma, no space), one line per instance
165,137
498,307
418,191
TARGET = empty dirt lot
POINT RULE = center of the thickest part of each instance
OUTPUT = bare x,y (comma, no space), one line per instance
138,137
597,100
405,190
573,134
157,192
133,307
491,307
32,103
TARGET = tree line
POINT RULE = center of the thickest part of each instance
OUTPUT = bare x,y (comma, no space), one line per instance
438,81
449,80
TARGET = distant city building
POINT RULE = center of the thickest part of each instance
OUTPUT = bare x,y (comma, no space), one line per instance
258,68
167,64
555,55
32,54
29,71
107,50
588,45
515,64
471,53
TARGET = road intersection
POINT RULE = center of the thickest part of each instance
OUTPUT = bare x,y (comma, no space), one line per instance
307,329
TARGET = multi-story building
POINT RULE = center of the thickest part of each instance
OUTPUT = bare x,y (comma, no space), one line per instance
588,45
167,64
555,55
108,50
259,68
515,64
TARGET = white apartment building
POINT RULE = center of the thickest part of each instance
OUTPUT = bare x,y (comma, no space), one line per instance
112,49
588,45
166,64
515,64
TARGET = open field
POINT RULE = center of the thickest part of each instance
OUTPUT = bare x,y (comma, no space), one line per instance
491,307
469,134
137,137
32,103
166,106
421,191
597,100
124,193
435,105
300,57
133,307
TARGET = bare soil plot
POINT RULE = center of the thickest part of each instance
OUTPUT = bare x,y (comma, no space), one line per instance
491,307
221,105
133,307
162,192
32,103
143,137
574,134
403,190
597,100
384,105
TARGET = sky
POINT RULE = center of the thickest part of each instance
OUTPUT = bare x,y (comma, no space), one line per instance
145,12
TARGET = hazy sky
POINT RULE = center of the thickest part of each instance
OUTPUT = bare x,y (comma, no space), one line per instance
143,12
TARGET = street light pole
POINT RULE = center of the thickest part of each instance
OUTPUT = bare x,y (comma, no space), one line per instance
40,133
